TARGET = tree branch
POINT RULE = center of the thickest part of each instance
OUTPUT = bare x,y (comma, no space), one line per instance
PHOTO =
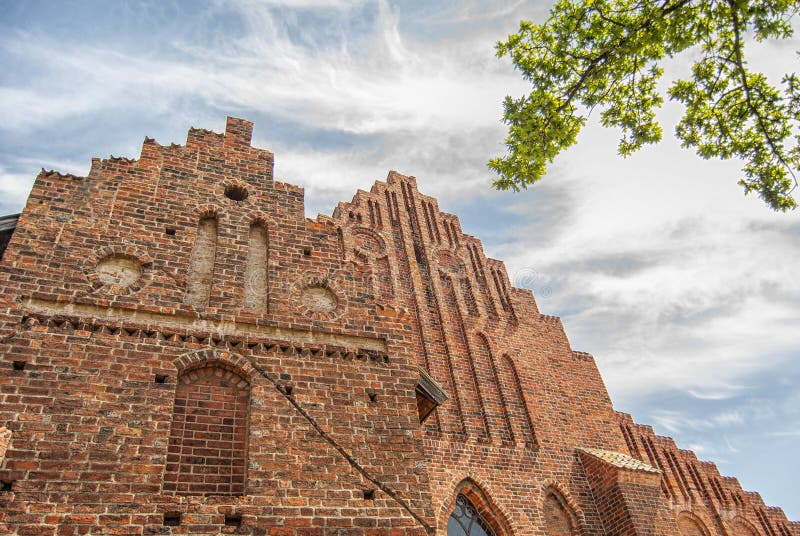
600,60
747,93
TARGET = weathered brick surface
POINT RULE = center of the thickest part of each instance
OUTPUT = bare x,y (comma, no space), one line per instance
194,356
558,519
627,497
5,441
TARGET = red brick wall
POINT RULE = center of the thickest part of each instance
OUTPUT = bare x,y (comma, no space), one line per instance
740,527
208,438
697,492
93,304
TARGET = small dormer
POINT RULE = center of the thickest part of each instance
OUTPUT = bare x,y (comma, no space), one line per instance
430,395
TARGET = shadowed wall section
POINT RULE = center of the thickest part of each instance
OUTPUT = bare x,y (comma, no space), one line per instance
515,397
475,416
486,371
689,525
558,520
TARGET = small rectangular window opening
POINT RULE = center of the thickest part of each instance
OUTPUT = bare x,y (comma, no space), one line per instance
233,520
172,519
19,365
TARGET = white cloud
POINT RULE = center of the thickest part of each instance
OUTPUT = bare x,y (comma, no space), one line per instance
303,4
786,433
723,393
664,270
14,185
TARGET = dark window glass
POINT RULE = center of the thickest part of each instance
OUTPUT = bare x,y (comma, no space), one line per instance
465,521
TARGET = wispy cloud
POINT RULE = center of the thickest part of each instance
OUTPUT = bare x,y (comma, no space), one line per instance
723,393
377,83
676,422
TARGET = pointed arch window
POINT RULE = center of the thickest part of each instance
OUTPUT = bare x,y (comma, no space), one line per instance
465,520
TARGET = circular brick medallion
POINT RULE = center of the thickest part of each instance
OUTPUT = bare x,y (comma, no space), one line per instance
367,244
317,295
318,299
119,270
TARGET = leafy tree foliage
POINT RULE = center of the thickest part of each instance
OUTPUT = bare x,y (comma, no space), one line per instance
605,54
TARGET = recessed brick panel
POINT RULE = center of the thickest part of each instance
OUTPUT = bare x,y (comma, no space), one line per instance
741,528
689,526
208,440
557,519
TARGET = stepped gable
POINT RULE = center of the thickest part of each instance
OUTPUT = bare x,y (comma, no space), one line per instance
697,490
185,353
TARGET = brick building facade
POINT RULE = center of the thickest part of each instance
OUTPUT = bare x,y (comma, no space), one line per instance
183,352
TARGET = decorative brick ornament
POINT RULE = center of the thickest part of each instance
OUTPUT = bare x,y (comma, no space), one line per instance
318,297
118,270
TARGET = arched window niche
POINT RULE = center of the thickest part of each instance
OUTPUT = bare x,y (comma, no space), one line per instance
207,450
690,525
740,527
559,517
472,514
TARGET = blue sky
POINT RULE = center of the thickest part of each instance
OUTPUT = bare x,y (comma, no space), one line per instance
684,290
